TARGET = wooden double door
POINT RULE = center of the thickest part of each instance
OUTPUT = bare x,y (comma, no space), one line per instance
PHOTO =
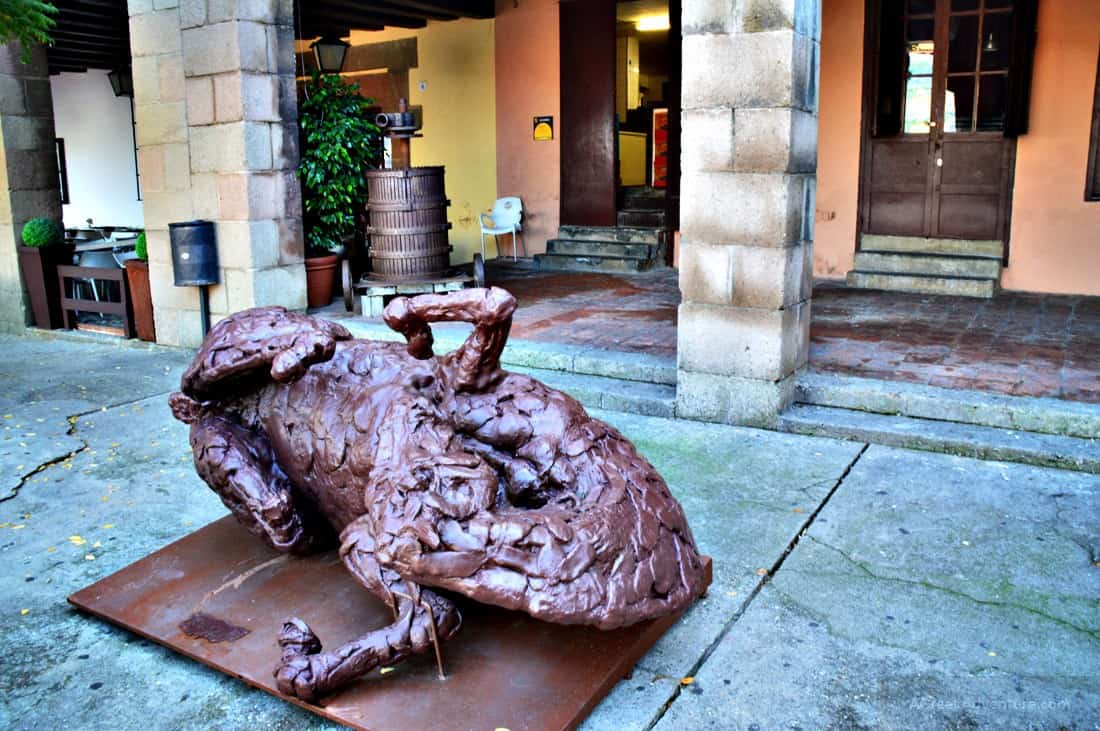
946,97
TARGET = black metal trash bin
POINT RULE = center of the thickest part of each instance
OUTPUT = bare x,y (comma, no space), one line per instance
194,253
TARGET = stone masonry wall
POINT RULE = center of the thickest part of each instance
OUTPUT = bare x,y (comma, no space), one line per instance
28,167
217,136
750,70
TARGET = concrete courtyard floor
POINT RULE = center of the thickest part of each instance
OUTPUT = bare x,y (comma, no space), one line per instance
855,586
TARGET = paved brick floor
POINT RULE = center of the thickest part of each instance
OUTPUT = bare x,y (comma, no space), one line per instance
1020,344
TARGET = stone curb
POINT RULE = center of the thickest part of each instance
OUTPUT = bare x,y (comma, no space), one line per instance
1041,415
966,440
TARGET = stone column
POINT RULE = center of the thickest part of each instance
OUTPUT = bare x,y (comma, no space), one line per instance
29,185
217,132
750,70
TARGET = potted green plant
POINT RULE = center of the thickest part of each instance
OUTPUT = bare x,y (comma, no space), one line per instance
141,297
43,250
340,142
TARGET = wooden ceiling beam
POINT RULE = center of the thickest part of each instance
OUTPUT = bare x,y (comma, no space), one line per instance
461,8
394,9
320,14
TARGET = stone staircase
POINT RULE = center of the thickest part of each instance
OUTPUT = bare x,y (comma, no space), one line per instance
928,266
608,249
1038,431
641,208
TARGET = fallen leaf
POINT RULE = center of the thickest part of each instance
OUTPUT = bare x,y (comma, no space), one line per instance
687,680
24,611
799,510
77,540
991,653
731,593
97,544
383,671
108,526
89,557
761,572
51,549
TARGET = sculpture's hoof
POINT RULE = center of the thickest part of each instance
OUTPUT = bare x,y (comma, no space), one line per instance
294,677
298,639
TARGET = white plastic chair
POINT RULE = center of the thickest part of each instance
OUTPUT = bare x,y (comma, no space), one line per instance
505,218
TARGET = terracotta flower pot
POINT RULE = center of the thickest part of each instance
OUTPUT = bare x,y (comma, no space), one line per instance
320,277
141,299
39,267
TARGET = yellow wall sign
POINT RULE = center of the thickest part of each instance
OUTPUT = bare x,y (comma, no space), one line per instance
544,129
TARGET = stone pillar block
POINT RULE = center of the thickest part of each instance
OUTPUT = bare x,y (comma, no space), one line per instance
28,167
747,342
744,208
215,121
772,69
749,157
782,140
746,276
711,133
732,400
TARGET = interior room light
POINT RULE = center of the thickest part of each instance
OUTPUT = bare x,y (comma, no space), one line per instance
652,22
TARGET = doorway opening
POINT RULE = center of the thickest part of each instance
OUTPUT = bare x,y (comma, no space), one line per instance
945,95
647,90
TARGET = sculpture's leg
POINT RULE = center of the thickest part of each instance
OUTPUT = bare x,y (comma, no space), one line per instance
421,618
238,464
477,360
284,344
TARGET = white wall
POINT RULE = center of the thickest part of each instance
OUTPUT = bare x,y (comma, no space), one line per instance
99,150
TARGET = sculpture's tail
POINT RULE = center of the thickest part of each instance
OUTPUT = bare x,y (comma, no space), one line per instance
266,342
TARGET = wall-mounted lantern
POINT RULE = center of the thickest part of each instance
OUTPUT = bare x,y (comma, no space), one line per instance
122,81
329,52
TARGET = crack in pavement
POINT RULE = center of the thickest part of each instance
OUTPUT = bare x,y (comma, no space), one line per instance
728,626
954,592
74,420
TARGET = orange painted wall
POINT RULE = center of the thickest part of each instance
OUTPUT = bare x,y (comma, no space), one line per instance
1055,233
528,85
1055,244
839,115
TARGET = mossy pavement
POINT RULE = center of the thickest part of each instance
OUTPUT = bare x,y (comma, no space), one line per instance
854,586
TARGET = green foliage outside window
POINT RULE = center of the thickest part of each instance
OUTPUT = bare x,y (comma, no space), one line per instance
340,143
26,21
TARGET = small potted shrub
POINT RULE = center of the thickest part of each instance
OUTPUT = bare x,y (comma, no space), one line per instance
141,298
340,142
43,250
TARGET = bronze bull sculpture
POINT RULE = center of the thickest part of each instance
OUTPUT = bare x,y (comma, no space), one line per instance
444,472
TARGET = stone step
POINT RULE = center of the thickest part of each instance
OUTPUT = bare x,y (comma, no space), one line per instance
615,365
1042,415
923,284
643,198
967,440
922,245
648,399
640,219
621,234
575,247
592,263
974,267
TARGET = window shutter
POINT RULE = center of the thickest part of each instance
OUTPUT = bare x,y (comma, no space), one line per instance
891,70
1024,25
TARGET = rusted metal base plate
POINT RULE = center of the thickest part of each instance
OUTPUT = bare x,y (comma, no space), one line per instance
504,669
